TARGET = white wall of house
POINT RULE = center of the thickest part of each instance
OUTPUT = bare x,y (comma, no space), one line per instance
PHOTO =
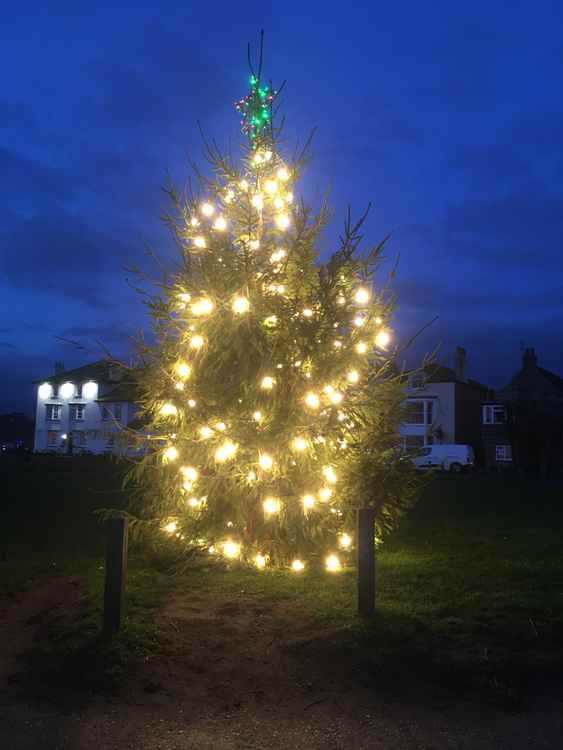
432,407
62,411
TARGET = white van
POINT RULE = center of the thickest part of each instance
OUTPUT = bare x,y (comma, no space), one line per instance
446,457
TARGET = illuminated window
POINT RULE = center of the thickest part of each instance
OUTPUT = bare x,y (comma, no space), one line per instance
53,413
53,438
77,412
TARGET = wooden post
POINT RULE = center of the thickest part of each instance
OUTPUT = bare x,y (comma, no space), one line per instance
116,566
365,536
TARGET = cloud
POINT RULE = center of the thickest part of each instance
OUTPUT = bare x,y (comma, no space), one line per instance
60,255
521,228
115,333
491,164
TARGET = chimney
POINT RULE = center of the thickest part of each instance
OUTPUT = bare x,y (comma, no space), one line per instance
529,359
459,363
59,367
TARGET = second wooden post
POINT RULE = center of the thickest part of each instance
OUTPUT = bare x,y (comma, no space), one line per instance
116,566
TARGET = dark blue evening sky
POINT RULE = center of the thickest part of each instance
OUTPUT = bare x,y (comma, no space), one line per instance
448,116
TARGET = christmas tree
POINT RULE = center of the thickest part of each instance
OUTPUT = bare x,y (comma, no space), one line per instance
270,398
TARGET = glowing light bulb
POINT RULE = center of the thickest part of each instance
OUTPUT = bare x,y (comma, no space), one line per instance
361,347
271,186
196,342
194,222
45,390
265,461
337,344
171,453
183,370
251,476
220,224
336,397
202,306
307,312
271,506
221,426
257,416
66,390
341,300
267,383
332,563
329,474
171,527
191,403
258,158
282,174
230,194
254,244
359,321
299,444
362,296
382,339
168,410
185,297
200,242
312,400
278,255
243,184
308,501
345,541
258,201
205,432
189,473
282,221
225,452
278,202
353,376
325,493
260,561
241,305
297,566
289,197
268,155
231,549
207,209
194,502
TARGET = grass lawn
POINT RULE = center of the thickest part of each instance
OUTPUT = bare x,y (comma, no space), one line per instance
473,580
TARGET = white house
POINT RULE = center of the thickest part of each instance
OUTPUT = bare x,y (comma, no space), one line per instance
83,410
443,406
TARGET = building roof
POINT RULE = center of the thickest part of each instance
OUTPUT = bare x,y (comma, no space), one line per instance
95,371
437,373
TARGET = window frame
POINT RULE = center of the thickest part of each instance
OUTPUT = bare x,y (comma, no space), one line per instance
489,412
49,409
501,452
55,443
74,409
427,413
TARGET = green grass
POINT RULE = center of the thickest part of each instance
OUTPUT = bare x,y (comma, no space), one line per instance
474,575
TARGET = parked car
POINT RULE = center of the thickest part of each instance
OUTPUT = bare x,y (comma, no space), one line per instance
451,457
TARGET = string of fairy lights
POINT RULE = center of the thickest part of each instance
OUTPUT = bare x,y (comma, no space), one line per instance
264,191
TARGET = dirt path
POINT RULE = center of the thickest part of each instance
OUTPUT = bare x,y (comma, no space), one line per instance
244,674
